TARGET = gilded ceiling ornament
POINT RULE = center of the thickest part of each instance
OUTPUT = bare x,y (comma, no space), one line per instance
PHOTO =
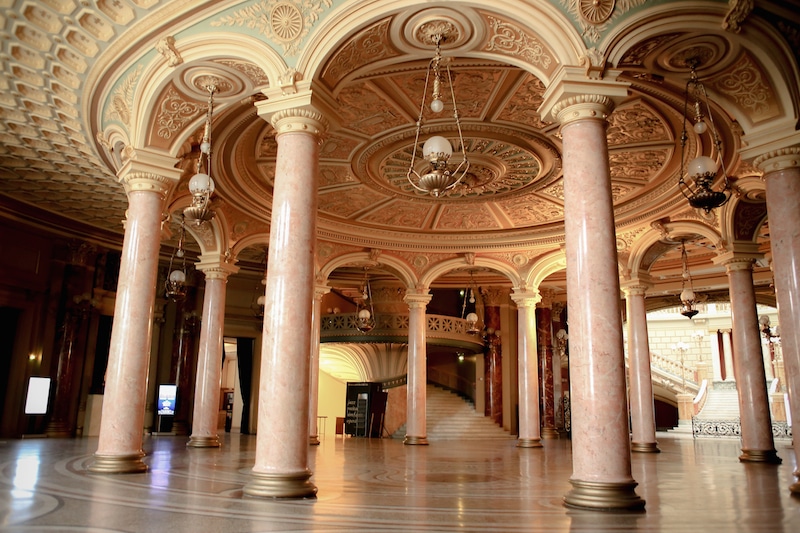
166,47
286,22
747,86
254,73
372,44
738,12
511,40
174,112
596,11
594,16
122,99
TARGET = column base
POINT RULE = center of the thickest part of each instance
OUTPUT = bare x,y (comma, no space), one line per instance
295,485
118,464
760,456
529,443
603,496
415,441
645,447
550,433
313,440
203,442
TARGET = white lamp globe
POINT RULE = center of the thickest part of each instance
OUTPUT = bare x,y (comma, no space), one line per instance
201,182
700,127
364,314
437,145
687,295
702,165
437,106
472,318
205,147
261,300
177,276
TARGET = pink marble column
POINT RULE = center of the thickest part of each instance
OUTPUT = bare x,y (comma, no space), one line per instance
313,367
643,415
601,461
119,448
281,465
751,379
782,176
528,377
493,362
416,426
205,418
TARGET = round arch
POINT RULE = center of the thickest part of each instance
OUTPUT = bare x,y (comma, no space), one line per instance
671,230
544,21
444,267
544,266
394,265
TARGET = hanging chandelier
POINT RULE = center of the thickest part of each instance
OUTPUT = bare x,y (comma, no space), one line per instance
472,316
201,185
698,175
365,311
438,177
175,285
687,290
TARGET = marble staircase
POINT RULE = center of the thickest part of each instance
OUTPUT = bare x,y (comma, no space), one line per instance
450,417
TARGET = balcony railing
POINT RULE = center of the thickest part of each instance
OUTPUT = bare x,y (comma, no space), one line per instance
441,330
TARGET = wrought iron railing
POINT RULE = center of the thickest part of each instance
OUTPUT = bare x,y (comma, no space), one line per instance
733,428
393,327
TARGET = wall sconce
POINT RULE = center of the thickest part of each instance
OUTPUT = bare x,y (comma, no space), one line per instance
201,185
701,170
439,177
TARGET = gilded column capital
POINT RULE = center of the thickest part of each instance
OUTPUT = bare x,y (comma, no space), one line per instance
778,160
149,171
320,290
299,120
495,296
583,107
737,259
215,267
636,287
417,298
525,297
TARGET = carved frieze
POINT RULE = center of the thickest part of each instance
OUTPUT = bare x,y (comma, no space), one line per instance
505,37
121,101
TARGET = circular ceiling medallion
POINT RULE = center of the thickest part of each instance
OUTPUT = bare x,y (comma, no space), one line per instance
286,21
196,80
420,29
596,11
705,51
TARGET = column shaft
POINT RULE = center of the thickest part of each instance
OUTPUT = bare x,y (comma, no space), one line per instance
782,177
751,381
643,419
281,465
416,426
119,448
528,378
205,419
601,462
313,368
544,328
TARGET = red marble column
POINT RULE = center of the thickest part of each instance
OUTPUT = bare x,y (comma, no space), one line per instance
544,336
601,460
493,365
529,432
782,177
758,444
205,418
147,179
416,424
313,367
281,463
643,416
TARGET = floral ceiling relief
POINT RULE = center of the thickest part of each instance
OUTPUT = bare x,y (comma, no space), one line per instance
524,105
635,124
747,85
362,109
399,213
368,46
466,217
530,210
286,22
594,17
345,203
640,166
511,40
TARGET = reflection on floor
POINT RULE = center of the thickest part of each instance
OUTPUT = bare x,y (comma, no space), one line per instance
382,485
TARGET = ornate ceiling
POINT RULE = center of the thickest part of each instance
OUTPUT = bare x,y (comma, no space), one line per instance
84,86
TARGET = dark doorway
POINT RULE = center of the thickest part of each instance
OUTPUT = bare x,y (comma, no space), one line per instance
9,316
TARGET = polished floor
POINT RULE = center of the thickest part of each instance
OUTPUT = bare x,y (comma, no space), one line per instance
381,485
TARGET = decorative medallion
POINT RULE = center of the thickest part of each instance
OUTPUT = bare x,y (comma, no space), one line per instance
596,11
286,22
